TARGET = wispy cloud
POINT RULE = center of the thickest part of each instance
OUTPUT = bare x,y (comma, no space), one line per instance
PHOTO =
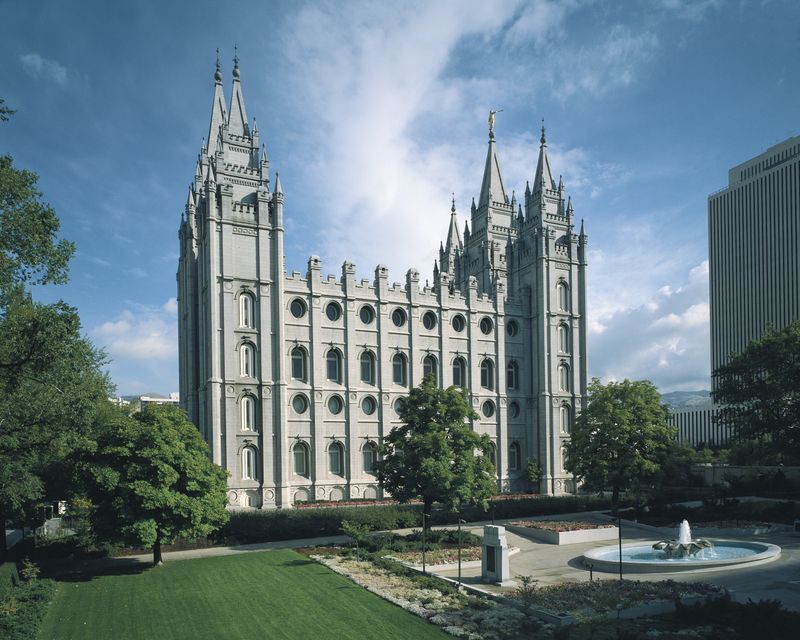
141,333
44,68
692,10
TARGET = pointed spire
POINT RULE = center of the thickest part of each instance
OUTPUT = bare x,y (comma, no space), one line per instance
492,187
255,126
237,118
190,199
453,236
569,207
544,177
263,153
582,234
217,111
278,183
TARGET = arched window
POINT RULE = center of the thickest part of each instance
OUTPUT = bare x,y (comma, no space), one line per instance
248,407
564,418
513,456
563,295
334,360
336,458
400,369
249,463
487,374
299,369
368,367
563,377
493,454
430,367
300,455
512,375
246,310
248,360
460,372
369,455
563,338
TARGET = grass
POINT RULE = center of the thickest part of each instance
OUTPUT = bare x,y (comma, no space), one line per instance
271,594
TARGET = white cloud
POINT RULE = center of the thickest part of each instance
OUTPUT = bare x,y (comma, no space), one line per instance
692,10
145,333
40,67
538,20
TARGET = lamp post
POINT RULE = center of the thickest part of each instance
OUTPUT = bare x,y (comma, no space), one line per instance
424,540
619,530
460,522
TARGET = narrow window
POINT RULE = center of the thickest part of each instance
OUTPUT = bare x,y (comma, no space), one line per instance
300,454
299,364
487,374
370,455
334,360
247,354
563,377
564,418
512,375
563,338
248,413
246,310
563,296
249,463
493,454
336,458
460,372
400,369
513,457
368,367
430,368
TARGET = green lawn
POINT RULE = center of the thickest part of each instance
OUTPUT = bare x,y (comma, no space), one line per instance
269,594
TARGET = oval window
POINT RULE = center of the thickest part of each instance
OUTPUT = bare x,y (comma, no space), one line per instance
459,323
333,311
512,328
486,325
398,317
335,405
367,314
488,408
429,320
513,410
369,405
298,308
300,403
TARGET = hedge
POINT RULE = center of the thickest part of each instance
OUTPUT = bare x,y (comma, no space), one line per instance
286,524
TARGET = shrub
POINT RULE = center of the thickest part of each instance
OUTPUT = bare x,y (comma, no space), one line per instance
23,607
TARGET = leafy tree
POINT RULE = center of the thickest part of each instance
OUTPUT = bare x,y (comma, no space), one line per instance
434,455
759,389
5,112
533,472
621,437
150,480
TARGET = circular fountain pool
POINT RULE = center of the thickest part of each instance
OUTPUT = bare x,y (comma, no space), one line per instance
643,558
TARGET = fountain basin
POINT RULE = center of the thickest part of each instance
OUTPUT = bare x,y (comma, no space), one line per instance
642,558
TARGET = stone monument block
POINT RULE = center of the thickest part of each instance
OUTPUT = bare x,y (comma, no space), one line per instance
494,556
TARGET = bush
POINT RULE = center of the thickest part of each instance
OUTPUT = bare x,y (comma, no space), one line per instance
748,620
22,608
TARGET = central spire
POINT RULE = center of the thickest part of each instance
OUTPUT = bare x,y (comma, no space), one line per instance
492,189
217,110
544,177
237,118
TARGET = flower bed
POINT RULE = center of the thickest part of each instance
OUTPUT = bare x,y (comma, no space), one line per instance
439,556
563,531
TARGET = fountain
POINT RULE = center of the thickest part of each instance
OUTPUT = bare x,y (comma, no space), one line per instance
684,545
682,554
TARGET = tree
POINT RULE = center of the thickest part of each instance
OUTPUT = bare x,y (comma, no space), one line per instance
150,480
759,389
434,455
620,438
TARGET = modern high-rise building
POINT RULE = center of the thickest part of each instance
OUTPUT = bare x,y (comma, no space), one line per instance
294,379
754,250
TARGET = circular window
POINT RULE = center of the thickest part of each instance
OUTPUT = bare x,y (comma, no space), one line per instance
367,315
300,403
399,405
333,311
486,325
513,410
488,408
369,405
429,320
298,308
459,323
399,317
512,328
335,405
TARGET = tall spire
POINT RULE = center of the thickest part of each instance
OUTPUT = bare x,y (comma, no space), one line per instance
217,110
453,235
544,177
492,179
237,118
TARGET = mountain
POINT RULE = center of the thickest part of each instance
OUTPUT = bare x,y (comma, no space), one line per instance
687,399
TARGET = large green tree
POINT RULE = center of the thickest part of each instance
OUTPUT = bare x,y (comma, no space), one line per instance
434,455
621,438
150,479
759,389
50,377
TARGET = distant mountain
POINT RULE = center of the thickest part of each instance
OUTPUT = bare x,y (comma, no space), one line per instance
687,399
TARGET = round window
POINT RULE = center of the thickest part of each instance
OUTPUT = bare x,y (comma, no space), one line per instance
333,311
369,405
512,328
399,405
399,317
300,403
486,325
298,308
459,323
429,320
335,405
488,408
367,315
513,410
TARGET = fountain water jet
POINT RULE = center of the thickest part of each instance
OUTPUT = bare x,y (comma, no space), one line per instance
684,546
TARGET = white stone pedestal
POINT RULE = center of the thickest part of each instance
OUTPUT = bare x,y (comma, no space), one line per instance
494,557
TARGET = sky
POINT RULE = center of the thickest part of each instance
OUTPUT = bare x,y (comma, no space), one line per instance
374,113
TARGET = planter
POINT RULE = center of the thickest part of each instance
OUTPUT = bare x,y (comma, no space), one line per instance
565,537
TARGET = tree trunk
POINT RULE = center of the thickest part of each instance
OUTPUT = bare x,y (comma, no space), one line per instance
615,500
157,560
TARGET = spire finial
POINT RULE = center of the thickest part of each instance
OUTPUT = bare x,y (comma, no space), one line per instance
453,207
543,140
235,61
491,122
218,72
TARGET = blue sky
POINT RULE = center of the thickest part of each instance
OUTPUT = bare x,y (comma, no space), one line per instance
373,113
